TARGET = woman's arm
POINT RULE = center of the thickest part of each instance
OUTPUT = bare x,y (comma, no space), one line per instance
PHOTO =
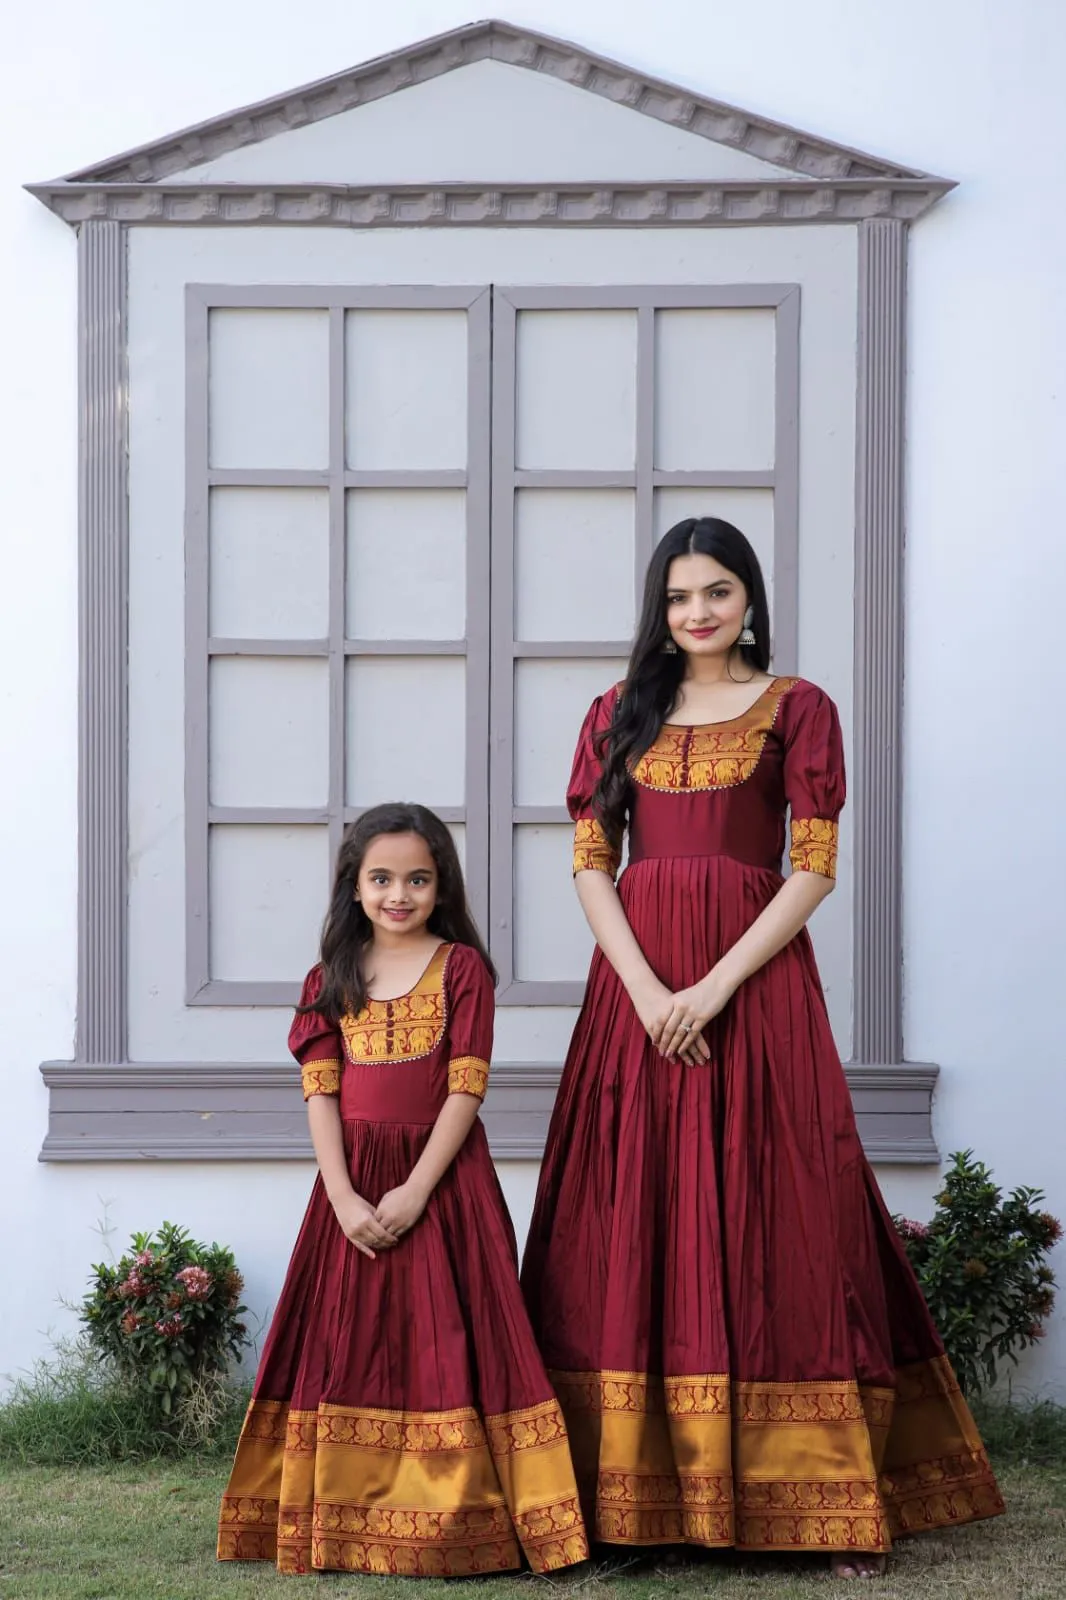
355,1215
652,1000
775,927
400,1209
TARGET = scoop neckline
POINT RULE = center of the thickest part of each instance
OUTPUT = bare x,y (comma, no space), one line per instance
406,995
723,722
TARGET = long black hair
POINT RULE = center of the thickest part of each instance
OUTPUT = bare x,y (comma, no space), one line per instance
347,930
653,680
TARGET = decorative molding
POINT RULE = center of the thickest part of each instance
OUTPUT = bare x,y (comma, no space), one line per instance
681,204
877,969
672,103
103,535
253,1111
878,704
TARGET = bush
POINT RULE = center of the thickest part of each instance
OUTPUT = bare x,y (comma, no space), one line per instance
166,1321
981,1264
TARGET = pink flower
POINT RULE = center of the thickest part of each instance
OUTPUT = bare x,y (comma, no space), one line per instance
912,1230
197,1280
1052,1227
172,1328
145,1258
134,1286
1036,1330
131,1322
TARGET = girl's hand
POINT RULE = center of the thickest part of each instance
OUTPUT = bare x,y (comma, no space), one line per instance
360,1224
400,1209
690,1012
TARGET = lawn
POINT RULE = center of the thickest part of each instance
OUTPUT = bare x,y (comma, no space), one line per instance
133,1532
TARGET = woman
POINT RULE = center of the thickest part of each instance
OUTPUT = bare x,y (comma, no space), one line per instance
741,1349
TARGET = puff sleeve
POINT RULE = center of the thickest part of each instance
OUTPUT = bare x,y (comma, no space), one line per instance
471,1013
814,779
316,1042
592,851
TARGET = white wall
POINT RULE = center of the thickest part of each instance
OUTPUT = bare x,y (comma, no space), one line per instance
968,90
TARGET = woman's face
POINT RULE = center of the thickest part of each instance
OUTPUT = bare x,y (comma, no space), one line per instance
705,605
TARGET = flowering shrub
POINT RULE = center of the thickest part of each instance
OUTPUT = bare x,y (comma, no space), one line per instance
981,1264
167,1317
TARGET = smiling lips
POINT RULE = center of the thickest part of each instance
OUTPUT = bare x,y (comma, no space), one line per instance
398,916
702,633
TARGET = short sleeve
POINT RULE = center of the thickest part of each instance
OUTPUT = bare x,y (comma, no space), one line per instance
814,779
471,1013
316,1042
592,849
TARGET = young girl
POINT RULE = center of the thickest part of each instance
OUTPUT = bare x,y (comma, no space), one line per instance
402,1420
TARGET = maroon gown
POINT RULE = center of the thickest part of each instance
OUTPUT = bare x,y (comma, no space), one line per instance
740,1346
402,1420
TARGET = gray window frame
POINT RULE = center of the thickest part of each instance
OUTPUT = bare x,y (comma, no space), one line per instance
336,649
783,478
102,1106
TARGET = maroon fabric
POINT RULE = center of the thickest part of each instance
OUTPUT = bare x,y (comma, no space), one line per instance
718,1218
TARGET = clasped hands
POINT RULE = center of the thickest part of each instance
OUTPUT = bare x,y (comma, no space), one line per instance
675,1022
381,1227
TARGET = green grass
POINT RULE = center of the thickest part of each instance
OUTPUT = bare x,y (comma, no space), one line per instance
96,1505
72,1412
135,1532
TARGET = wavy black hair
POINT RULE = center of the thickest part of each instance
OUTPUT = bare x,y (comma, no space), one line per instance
347,930
653,680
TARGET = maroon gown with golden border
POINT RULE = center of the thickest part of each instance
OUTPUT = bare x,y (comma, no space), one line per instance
740,1346
402,1420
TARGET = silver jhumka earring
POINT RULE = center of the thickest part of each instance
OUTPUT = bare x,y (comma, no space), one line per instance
746,635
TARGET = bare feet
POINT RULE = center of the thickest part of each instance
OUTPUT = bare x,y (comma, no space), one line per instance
857,1566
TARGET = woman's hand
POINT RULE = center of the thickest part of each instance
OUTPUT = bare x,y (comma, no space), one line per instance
360,1223
654,1005
400,1209
690,1012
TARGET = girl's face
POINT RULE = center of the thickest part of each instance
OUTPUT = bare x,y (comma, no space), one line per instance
705,605
397,885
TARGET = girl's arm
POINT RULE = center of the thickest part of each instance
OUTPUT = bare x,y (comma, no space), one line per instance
471,1008
316,1043
355,1215
400,1209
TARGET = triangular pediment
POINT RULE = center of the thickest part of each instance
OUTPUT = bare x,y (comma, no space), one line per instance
491,122
670,104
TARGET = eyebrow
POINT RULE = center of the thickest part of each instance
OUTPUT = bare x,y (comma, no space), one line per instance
719,583
410,873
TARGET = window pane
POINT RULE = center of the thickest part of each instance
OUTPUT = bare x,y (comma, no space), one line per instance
269,569
406,730
269,728
552,938
269,888
576,389
714,390
269,389
406,564
574,563
406,389
551,699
